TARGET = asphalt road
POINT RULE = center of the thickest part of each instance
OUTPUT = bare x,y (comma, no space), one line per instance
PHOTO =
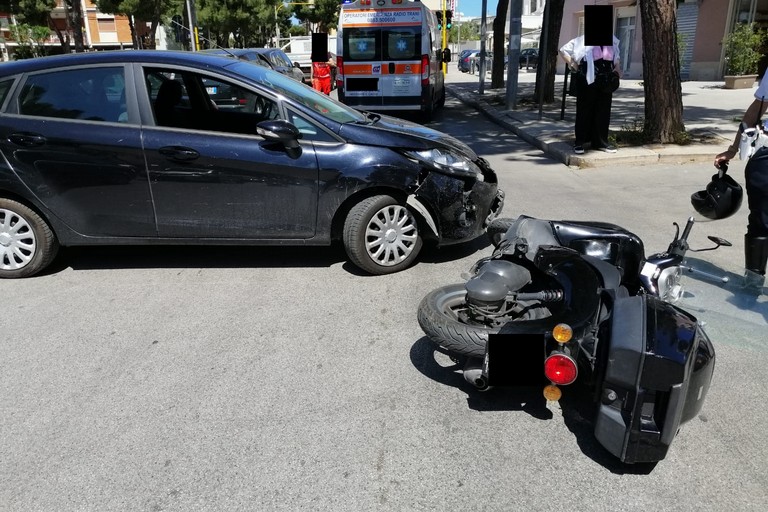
280,379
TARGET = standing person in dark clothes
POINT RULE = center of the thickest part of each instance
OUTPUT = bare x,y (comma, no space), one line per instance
598,69
756,176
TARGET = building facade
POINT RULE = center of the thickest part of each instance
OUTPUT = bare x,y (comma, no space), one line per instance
100,31
701,25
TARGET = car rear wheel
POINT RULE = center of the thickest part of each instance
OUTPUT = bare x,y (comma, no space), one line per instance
381,236
27,243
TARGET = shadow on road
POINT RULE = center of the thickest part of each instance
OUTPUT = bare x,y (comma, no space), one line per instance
216,256
577,406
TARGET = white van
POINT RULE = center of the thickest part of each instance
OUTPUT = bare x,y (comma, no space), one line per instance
390,56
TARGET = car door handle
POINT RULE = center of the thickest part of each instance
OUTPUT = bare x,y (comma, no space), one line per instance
27,139
179,153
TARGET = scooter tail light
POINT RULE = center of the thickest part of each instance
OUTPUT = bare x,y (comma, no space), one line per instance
425,70
560,369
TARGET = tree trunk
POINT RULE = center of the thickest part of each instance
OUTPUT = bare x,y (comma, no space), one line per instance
75,18
546,69
497,74
661,71
63,36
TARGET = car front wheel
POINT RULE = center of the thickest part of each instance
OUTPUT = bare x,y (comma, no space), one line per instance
381,236
27,243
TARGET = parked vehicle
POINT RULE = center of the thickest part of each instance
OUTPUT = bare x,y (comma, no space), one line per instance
273,58
461,57
464,62
559,300
529,58
158,147
389,57
474,62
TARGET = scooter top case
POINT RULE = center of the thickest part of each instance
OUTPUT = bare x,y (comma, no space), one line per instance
658,370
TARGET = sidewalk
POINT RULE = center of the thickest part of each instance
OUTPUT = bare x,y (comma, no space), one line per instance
710,112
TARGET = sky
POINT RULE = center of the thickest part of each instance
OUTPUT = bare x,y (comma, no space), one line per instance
474,7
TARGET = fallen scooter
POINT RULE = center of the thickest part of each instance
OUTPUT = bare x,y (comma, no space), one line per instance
562,300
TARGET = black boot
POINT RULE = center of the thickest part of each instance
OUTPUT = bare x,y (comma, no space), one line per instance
755,259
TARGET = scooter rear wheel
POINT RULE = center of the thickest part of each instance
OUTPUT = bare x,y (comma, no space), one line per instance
438,318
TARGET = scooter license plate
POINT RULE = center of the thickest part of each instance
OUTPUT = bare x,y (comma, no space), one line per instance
515,359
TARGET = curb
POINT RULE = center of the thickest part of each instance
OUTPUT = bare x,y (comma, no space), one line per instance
530,131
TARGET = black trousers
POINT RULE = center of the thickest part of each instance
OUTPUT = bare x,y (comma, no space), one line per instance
756,175
593,116
593,111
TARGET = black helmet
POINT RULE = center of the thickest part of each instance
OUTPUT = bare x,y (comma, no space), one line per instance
722,197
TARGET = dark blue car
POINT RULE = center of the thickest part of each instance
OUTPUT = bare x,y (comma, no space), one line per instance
154,147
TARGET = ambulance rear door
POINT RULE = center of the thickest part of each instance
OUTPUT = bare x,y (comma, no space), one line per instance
382,58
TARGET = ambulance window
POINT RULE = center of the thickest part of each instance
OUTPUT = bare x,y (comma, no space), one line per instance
361,44
402,44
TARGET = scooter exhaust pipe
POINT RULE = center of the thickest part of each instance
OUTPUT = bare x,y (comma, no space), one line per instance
473,373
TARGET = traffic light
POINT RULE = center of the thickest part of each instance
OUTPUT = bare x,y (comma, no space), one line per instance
448,18
439,15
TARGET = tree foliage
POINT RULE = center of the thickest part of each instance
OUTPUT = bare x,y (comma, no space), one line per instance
322,17
153,12
30,39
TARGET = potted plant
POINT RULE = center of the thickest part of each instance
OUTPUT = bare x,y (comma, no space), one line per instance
742,55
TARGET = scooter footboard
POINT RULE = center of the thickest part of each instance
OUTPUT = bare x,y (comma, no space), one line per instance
658,370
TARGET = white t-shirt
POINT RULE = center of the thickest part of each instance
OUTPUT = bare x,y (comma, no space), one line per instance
761,93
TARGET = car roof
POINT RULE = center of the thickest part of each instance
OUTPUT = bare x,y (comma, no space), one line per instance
198,59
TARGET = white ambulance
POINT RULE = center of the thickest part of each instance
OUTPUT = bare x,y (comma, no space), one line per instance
390,56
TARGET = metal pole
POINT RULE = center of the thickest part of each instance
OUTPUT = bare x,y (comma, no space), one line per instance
483,30
458,26
444,65
191,14
515,33
543,49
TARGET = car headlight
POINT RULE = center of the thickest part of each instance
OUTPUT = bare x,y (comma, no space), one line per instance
447,162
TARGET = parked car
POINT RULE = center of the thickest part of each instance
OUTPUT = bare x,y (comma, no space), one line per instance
273,58
529,58
474,62
464,60
137,148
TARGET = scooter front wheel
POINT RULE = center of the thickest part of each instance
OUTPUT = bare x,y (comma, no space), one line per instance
438,318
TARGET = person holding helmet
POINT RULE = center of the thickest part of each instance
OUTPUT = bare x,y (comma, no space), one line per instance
756,175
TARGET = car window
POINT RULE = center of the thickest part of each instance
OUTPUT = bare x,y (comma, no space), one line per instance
309,129
284,58
194,101
5,86
296,91
89,94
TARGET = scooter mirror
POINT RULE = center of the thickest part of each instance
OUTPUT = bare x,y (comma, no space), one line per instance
720,241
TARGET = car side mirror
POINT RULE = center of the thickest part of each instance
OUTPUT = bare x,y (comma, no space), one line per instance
281,131
296,65
446,55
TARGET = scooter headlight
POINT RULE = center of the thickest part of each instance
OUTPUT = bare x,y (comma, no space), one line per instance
447,162
670,288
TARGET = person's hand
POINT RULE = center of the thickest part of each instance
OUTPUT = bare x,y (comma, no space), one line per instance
725,156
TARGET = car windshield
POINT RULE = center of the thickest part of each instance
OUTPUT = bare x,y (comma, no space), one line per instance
300,93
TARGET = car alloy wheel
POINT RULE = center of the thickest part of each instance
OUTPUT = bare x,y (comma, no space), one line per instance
381,235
